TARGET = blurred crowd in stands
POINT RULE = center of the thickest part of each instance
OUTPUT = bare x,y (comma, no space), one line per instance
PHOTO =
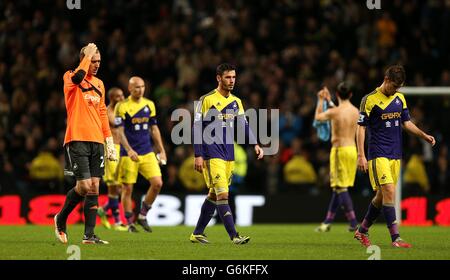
285,51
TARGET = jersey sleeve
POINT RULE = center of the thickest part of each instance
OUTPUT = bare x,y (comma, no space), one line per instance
240,107
364,111
74,78
153,120
197,127
405,111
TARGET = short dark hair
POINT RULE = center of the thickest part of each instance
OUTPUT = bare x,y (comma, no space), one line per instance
344,90
224,67
396,74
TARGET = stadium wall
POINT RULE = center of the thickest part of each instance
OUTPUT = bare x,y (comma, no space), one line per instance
176,209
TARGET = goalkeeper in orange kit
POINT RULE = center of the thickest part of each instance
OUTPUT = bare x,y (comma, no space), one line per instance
87,130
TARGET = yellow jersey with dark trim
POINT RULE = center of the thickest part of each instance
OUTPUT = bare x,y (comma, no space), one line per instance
383,116
136,118
217,113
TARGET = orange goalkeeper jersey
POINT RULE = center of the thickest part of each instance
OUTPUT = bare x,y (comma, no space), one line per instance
84,96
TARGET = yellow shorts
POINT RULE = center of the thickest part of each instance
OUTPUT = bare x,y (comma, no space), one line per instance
218,174
383,171
343,166
110,176
147,166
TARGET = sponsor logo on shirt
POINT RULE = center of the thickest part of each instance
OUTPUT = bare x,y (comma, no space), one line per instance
92,99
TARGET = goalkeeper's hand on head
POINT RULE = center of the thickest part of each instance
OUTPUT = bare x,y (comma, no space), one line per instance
110,149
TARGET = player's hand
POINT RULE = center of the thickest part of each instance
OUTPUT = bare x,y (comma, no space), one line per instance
326,94
198,164
110,149
162,158
321,94
259,152
90,50
430,139
362,164
133,155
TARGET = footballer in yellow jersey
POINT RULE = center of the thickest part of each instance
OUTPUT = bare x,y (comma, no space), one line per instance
140,142
383,113
214,156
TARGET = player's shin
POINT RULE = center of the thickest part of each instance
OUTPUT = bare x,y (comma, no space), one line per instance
372,214
72,200
332,208
144,210
391,221
224,210
347,205
90,213
206,213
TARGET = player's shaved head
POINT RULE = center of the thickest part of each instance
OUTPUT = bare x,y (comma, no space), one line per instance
136,87
112,91
135,80
115,95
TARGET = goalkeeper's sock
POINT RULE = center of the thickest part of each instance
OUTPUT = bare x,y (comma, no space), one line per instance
72,200
224,211
347,205
207,212
90,213
372,214
391,221
332,208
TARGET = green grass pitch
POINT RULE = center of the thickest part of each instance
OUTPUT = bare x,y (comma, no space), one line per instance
268,242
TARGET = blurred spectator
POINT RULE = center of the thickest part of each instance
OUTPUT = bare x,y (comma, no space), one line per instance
283,50
192,180
415,178
46,173
299,173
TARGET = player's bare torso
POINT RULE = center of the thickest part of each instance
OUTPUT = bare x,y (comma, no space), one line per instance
343,125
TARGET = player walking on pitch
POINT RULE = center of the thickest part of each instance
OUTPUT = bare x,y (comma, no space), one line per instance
138,129
114,187
214,157
87,130
343,154
383,112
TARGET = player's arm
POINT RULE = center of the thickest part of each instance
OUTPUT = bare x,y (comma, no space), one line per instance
363,121
360,138
124,142
76,77
413,129
409,126
320,115
111,116
197,136
243,124
157,141
119,121
156,134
